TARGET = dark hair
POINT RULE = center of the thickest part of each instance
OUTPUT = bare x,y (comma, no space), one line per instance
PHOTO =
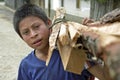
28,10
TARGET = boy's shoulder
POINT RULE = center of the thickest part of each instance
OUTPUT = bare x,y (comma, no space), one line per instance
27,59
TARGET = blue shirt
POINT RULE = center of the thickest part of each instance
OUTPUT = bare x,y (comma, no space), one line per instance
31,68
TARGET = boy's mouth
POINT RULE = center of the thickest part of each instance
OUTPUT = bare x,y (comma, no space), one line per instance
37,42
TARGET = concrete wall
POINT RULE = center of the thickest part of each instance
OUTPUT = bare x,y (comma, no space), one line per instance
19,3
14,4
83,11
10,3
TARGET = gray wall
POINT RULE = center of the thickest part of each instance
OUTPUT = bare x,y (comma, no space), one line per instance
10,3
14,4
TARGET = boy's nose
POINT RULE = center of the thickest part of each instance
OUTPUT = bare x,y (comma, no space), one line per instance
33,33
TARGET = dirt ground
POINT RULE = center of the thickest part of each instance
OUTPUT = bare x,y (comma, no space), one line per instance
12,48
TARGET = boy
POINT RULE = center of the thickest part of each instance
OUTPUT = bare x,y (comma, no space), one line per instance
32,25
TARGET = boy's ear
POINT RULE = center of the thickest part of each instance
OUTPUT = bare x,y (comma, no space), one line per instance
49,22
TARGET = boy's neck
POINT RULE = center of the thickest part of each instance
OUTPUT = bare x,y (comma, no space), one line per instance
42,55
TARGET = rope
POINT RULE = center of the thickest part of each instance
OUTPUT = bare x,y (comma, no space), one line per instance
58,20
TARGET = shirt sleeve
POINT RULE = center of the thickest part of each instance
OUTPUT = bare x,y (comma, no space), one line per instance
22,73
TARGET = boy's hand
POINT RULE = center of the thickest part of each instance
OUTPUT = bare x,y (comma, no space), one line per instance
91,23
87,21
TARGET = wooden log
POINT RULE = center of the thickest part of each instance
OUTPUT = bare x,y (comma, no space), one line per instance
108,28
112,59
73,59
98,40
52,41
101,72
106,47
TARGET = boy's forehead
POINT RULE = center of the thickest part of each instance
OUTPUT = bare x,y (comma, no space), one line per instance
31,20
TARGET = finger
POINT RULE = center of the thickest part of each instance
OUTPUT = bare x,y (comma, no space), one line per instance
86,21
95,24
89,21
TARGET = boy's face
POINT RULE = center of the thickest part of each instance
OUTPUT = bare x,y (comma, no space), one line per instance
34,32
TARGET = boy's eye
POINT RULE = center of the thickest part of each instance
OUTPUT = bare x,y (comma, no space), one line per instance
25,32
36,26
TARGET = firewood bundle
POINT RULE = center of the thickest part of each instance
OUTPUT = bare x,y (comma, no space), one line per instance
75,41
